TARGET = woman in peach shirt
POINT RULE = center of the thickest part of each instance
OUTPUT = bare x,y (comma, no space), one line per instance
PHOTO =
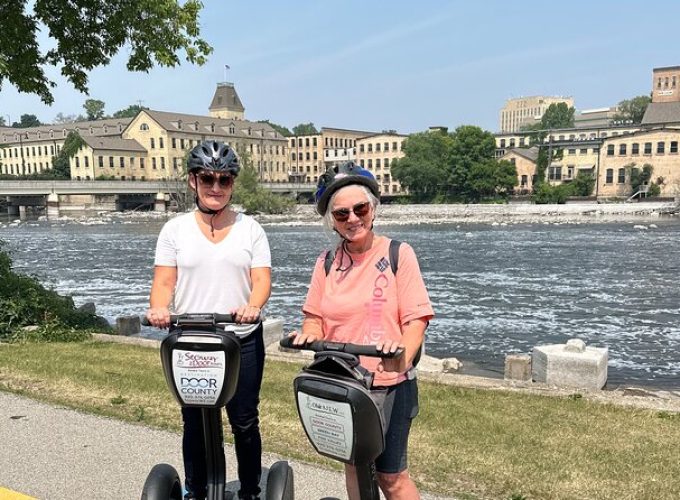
360,300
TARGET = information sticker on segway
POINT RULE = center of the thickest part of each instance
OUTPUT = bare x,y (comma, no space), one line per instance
328,424
199,376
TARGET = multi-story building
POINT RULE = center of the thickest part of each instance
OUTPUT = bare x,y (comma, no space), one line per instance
595,118
161,141
29,150
311,155
657,147
152,145
226,103
376,153
523,111
524,160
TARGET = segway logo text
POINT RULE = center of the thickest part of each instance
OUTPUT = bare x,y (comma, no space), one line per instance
200,386
198,360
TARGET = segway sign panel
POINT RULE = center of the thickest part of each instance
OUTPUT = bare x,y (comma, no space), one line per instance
328,425
198,375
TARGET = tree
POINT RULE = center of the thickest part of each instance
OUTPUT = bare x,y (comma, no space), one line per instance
62,118
2,121
558,115
94,109
279,128
305,129
129,112
61,163
423,168
490,178
86,35
471,145
583,184
27,121
252,196
632,109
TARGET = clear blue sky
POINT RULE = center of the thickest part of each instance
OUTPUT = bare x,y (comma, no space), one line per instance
403,65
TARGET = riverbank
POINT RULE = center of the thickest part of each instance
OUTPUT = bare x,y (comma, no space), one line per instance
498,213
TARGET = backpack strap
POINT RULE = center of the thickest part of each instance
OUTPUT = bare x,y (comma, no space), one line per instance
328,261
394,255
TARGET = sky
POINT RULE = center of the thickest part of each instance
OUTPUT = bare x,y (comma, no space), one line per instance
398,65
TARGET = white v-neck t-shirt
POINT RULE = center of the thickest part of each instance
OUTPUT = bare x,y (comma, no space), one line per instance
211,277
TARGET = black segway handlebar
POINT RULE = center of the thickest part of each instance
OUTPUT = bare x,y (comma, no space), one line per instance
328,346
195,319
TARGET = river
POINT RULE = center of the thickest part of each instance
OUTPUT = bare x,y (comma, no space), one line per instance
495,288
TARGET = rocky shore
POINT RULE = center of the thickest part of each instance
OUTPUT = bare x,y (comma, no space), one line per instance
520,213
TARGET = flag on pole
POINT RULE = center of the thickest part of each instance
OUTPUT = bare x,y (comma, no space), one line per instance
226,66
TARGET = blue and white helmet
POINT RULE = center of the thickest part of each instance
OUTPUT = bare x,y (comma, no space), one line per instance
340,176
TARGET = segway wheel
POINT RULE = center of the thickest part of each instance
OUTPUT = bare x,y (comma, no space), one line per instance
162,483
280,482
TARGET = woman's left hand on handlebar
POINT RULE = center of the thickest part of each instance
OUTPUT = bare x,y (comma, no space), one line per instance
391,364
247,314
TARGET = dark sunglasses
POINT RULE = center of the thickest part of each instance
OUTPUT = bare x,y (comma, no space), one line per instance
360,209
208,180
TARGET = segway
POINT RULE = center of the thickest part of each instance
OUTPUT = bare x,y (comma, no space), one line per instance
201,358
340,418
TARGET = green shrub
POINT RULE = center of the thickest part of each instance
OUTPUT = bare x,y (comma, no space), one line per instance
545,193
25,302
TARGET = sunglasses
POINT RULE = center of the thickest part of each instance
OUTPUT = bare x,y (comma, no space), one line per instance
360,210
208,180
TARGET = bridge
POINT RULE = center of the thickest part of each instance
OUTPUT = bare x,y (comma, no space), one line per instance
74,195
37,188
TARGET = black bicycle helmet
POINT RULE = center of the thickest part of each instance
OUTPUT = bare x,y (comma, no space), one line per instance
213,155
340,176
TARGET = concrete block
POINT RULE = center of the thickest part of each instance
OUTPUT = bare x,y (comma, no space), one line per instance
570,365
273,330
518,367
128,325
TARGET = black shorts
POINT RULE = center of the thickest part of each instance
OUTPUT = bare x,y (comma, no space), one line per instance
399,406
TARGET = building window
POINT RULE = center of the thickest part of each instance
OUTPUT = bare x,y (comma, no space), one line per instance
622,176
153,163
571,151
314,141
377,146
153,143
141,164
110,161
502,143
660,147
143,126
300,156
370,164
648,148
387,163
315,156
370,147
635,150
77,164
555,173
512,143
622,149
394,146
609,177
160,142
292,156
361,148
122,162
101,161
163,162
132,161
377,163
583,151
307,156
674,147
307,141
610,150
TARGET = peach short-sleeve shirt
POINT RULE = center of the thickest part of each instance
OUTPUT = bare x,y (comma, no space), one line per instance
367,303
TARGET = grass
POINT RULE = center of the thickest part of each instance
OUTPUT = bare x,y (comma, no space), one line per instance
468,443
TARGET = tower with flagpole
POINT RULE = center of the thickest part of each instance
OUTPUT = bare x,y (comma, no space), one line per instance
225,102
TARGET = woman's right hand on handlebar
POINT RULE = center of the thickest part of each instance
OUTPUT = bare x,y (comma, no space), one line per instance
304,338
158,317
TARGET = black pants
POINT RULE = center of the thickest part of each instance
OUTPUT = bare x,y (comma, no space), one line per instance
242,412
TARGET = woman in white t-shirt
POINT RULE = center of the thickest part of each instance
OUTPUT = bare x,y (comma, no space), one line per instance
215,260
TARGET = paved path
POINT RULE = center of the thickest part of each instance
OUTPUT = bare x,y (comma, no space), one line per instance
55,453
